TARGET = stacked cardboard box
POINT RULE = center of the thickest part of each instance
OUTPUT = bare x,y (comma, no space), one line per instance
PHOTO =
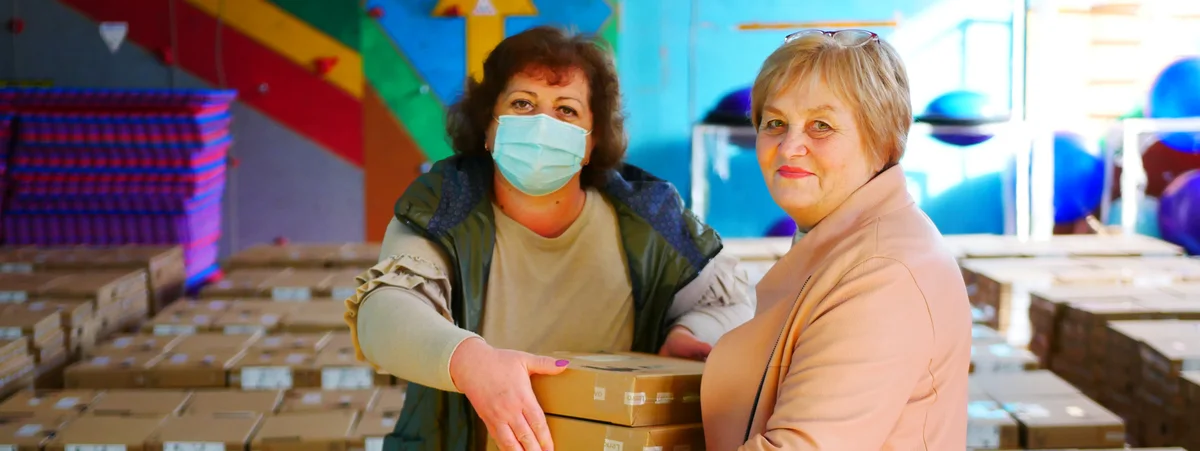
623,401
1036,410
974,246
1191,395
248,315
16,365
249,361
285,284
66,313
306,255
1071,333
164,266
172,420
1000,289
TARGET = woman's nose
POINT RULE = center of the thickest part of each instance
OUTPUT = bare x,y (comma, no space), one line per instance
794,144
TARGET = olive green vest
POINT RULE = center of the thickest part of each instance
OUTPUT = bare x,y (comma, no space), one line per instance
666,247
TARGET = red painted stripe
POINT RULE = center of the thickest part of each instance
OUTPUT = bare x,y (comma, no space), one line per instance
295,97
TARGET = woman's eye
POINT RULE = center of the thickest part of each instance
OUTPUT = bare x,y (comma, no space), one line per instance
521,104
773,124
821,126
567,111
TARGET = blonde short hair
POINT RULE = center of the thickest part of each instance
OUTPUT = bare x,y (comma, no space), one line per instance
870,78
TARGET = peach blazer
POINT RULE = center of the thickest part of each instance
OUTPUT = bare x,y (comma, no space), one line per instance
861,340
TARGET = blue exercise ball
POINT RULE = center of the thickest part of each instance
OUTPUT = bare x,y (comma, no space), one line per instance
1147,217
783,227
963,109
1078,178
1176,94
732,109
1179,212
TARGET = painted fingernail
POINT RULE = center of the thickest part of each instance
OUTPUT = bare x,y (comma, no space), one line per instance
562,363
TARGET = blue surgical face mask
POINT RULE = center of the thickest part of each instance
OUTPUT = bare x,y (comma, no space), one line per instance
538,154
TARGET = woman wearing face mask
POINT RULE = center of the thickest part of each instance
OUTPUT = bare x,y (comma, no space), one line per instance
533,238
862,338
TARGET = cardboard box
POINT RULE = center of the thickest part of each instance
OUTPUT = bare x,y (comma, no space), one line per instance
180,323
628,389
48,404
136,344
28,434
101,287
317,400
326,431
572,434
139,403
317,317
14,348
209,433
370,430
1001,358
309,342
1040,383
234,402
1067,422
237,321
198,370
195,306
271,370
306,255
164,265
38,325
74,316
279,284
989,426
390,402
94,432
121,370
202,343
340,371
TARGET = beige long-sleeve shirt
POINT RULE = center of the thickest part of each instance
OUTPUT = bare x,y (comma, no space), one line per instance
568,293
861,341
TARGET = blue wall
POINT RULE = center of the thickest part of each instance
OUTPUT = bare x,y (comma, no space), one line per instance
678,57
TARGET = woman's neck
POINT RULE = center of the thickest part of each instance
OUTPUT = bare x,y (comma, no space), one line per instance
548,215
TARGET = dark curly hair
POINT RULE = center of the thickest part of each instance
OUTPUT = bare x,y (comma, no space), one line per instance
554,53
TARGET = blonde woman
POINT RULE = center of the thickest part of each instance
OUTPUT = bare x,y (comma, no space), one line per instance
861,338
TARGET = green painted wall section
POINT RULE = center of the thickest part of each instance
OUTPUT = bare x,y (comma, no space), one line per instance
399,85
337,18
609,31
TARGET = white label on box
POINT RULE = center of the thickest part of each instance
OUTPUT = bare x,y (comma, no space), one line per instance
347,378
10,333
269,319
664,398
634,399
296,359
985,436
122,342
1115,436
28,430
613,445
598,394
652,448
1190,365
13,296
67,403
343,293
8,448
691,397
35,401
74,447
174,329
179,358
311,398
200,319
193,446
374,444
100,360
266,378
16,268
388,422
291,293
244,329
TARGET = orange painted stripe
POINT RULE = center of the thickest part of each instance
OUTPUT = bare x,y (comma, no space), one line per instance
392,162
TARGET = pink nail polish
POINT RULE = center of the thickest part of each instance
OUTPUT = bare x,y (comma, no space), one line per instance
562,363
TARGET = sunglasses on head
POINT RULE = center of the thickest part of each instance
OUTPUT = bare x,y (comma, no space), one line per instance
848,38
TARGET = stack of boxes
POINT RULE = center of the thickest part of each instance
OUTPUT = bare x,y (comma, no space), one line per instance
1037,410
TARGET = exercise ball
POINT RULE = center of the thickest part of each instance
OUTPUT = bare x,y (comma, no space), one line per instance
1179,212
1078,178
783,227
1176,94
1147,217
733,109
962,115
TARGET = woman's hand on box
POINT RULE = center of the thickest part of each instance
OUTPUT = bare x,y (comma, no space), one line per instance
496,381
683,344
